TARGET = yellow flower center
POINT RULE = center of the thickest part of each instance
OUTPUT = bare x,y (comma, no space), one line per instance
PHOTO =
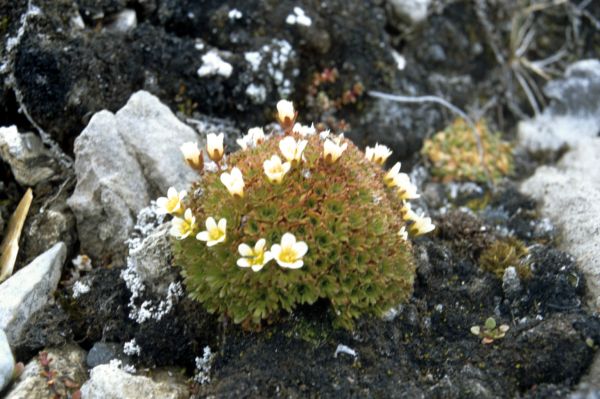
288,255
258,258
215,234
172,204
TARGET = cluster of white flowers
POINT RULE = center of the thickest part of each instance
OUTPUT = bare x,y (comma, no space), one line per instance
289,252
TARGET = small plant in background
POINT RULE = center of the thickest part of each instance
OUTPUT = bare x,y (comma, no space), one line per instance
490,331
504,253
291,218
454,154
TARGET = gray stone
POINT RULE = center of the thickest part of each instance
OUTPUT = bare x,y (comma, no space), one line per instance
154,134
110,382
28,289
414,11
7,361
511,284
569,195
103,353
29,160
67,362
572,116
122,161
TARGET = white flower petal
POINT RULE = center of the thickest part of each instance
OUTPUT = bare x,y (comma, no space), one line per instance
256,268
245,250
211,224
301,248
275,250
260,245
203,236
222,224
288,240
243,262
172,192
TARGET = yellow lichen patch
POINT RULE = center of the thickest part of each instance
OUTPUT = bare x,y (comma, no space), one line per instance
453,154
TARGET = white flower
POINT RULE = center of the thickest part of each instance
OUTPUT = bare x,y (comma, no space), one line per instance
172,202
215,233
234,182
378,154
255,258
253,138
286,114
289,254
407,213
406,190
324,134
182,228
333,149
389,177
403,233
275,170
192,155
304,130
421,225
214,146
292,150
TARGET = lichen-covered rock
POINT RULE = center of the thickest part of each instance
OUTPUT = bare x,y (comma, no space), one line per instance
110,382
68,364
114,185
569,198
29,289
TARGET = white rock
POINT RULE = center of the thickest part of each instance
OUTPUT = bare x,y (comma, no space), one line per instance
413,10
110,382
7,361
28,289
569,195
121,162
124,21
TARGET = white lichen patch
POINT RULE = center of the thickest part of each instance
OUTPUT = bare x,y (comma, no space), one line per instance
256,93
148,220
234,14
203,365
213,64
254,58
298,17
80,289
131,348
118,364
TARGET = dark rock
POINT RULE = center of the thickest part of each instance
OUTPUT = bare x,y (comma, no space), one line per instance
103,353
550,339
48,327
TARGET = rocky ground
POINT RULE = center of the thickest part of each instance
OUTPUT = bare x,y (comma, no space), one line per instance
97,96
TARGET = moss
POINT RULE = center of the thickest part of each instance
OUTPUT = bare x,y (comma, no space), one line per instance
453,154
505,253
356,261
4,21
